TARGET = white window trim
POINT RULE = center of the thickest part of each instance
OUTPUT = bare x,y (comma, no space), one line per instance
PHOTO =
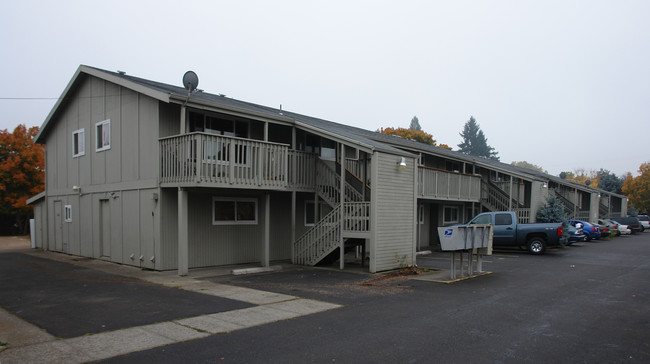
81,133
67,213
104,146
235,200
444,215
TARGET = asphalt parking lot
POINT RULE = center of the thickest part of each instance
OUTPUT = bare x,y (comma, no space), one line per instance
589,303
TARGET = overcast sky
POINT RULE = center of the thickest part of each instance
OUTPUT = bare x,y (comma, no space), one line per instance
561,84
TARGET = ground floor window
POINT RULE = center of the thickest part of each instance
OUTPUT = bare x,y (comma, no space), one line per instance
450,215
67,213
234,211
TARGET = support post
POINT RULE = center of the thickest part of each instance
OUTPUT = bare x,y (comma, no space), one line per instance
342,208
183,232
267,229
293,226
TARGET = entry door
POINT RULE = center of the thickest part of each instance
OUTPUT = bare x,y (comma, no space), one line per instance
58,226
104,229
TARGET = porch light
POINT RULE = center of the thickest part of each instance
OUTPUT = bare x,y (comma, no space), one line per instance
545,185
76,188
402,163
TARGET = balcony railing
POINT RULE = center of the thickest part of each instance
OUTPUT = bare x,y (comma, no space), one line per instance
215,160
443,185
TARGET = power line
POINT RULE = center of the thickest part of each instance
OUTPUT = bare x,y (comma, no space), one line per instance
29,98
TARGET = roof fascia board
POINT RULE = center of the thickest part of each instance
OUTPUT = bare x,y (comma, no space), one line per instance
56,106
158,95
211,106
235,111
414,149
102,75
33,199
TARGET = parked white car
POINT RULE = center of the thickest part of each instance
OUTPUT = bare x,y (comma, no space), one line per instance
624,229
644,220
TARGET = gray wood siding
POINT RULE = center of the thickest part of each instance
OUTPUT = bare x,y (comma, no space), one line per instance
133,155
170,119
394,204
222,244
168,247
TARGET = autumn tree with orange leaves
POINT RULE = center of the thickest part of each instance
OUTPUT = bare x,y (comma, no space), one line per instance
637,189
419,136
22,166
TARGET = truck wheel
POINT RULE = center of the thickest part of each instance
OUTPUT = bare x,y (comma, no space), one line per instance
536,245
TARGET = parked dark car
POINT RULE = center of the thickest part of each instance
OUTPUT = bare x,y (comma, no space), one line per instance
631,222
644,220
575,235
591,231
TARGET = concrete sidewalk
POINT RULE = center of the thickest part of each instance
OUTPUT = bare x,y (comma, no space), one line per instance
23,342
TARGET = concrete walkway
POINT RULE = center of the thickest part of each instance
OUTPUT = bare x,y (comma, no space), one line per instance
21,342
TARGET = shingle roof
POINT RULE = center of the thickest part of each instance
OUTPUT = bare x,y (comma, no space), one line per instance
367,138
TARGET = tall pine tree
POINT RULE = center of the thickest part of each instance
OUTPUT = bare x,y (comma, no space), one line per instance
475,142
415,124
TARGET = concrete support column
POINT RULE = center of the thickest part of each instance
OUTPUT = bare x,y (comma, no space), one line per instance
267,230
183,232
293,226
342,201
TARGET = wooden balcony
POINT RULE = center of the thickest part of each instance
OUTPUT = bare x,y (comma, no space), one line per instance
443,185
207,160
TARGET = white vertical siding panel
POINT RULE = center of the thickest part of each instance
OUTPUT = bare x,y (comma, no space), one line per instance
148,215
131,227
394,237
113,112
148,138
167,256
85,215
129,135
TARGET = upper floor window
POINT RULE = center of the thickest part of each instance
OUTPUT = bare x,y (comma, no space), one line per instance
103,133
78,143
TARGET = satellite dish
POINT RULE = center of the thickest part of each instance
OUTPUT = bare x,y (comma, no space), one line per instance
190,81
563,175
587,182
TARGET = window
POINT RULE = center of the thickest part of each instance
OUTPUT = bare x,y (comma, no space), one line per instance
78,143
450,214
234,211
502,219
67,213
103,133
323,209
483,219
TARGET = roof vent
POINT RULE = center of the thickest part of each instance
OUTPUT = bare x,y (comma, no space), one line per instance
122,73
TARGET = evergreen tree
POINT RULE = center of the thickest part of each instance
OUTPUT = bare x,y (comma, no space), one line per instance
475,142
553,211
608,181
415,124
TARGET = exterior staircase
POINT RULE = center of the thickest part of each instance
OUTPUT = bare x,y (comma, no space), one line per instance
325,236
